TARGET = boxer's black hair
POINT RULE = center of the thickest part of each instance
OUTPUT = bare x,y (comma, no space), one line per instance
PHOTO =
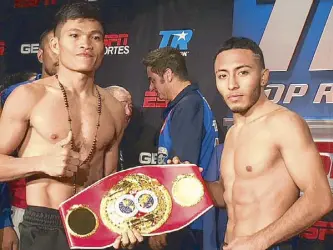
167,58
243,43
76,10
43,36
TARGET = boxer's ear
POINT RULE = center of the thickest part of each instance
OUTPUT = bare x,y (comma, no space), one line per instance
40,55
54,44
264,77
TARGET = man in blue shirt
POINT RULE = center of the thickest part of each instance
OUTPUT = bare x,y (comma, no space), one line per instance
189,130
215,220
6,224
5,209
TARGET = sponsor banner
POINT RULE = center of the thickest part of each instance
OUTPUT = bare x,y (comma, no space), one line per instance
116,44
178,39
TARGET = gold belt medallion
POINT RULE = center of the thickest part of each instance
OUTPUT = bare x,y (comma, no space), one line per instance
137,201
187,190
81,221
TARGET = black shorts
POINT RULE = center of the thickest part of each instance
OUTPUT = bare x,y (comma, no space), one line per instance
42,229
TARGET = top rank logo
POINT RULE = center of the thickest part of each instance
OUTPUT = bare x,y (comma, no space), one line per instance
176,39
116,44
279,52
295,37
2,48
33,3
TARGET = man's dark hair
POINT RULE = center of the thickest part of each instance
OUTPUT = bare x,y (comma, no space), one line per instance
167,58
76,10
43,36
243,43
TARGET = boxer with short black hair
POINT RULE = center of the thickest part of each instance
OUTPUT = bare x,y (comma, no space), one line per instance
67,131
269,156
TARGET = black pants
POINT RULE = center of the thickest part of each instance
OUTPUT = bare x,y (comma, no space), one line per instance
42,229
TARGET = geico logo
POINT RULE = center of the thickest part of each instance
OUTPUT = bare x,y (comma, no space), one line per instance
148,158
29,48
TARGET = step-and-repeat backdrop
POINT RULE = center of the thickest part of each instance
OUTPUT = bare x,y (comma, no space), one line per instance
296,38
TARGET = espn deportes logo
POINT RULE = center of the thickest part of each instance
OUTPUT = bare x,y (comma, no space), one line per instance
29,48
318,231
151,100
116,44
177,39
2,48
279,49
33,3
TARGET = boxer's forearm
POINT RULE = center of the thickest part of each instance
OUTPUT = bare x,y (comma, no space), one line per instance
216,191
303,213
12,168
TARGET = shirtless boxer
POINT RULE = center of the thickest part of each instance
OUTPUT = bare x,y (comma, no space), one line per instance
67,130
269,157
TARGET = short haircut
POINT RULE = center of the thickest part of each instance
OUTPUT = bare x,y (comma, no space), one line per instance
243,43
43,36
167,58
76,10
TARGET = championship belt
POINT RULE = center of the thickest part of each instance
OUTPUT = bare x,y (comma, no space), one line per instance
152,199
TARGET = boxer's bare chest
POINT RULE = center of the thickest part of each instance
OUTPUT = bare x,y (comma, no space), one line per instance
248,154
52,121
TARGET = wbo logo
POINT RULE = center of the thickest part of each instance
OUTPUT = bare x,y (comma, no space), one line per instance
177,39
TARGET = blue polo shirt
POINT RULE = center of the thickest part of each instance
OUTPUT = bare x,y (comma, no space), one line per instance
189,132
5,207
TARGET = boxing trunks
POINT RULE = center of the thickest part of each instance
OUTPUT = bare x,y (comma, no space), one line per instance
42,229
